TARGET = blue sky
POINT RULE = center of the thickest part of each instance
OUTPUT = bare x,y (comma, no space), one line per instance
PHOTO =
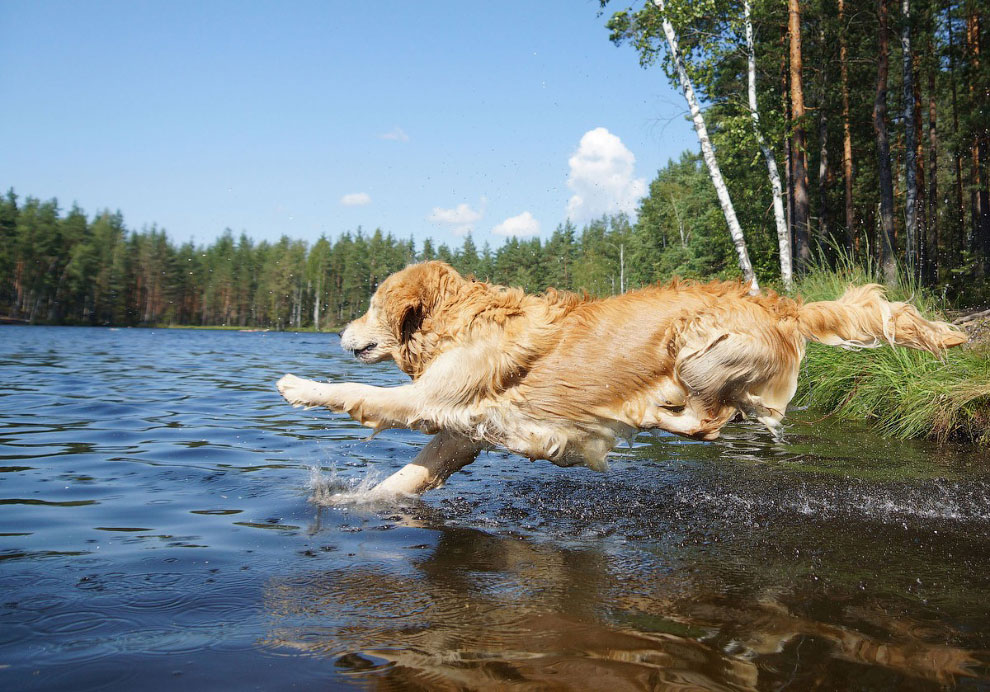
310,118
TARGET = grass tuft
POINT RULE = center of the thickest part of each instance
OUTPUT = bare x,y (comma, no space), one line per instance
905,393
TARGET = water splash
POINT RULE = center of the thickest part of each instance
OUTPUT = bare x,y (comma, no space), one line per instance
939,499
331,490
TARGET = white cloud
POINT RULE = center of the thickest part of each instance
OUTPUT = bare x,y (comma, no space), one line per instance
396,134
602,177
356,199
460,219
521,225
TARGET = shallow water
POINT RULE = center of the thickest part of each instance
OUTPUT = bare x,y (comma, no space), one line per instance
162,524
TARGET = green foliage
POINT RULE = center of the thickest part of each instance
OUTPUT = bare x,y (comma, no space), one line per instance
951,78
905,393
72,270
680,229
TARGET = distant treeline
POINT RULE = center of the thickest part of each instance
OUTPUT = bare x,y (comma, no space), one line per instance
68,268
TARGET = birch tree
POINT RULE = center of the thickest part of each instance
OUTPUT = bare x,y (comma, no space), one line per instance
707,151
783,235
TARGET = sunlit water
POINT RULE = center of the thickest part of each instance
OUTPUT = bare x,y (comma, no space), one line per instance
166,520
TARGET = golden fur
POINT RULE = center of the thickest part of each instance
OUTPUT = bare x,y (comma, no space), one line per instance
559,376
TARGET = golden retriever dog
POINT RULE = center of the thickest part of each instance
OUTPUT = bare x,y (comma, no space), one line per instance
561,376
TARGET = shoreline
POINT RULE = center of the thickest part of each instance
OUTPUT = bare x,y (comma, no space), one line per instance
902,393
191,327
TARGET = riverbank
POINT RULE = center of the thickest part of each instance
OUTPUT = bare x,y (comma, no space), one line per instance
236,328
904,393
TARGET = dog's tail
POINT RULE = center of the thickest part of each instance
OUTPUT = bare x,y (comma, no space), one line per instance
863,318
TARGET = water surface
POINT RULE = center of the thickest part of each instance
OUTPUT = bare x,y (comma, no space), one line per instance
166,519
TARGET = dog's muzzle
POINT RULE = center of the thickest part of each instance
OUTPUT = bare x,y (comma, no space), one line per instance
364,351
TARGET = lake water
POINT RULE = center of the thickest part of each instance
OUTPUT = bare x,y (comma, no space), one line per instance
167,520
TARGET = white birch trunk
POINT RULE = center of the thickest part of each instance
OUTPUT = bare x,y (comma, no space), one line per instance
316,307
735,230
680,224
783,235
622,268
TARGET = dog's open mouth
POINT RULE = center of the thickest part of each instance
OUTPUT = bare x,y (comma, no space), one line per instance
364,352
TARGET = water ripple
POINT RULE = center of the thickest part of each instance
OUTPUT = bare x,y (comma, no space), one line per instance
157,497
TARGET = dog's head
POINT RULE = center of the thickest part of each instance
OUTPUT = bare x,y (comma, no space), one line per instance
392,326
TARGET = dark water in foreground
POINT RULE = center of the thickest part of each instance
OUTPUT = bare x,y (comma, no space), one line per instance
160,526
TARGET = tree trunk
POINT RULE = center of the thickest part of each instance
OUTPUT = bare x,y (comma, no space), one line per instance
18,288
708,152
922,252
802,205
910,154
847,163
297,307
959,240
823,168
788,158
934,258
783,236
888,263
622,268
680,223
789,192
980,224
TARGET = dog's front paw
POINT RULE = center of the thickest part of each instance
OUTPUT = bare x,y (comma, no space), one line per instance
297,391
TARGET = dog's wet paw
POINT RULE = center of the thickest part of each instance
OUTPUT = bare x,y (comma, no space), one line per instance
296,391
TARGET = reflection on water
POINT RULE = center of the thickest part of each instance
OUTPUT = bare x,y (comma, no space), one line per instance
486,611
710,594
160,525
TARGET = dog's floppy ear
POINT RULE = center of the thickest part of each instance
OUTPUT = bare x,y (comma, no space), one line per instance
403,308
422,289
411,321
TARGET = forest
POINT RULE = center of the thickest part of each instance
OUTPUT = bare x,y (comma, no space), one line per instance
65,268
854,126
828,131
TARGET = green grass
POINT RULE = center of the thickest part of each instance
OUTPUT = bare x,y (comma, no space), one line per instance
905,393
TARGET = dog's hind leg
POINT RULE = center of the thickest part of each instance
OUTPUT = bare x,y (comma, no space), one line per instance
767,401
755,373
754,407
444,455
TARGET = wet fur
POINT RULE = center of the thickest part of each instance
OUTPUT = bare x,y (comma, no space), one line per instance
561,376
